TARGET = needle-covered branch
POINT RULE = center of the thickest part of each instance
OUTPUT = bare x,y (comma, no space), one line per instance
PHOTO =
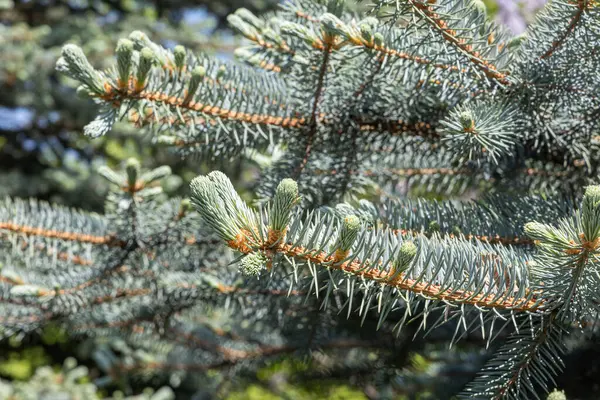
447,271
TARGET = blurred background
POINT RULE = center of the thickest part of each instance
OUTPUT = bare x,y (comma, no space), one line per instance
43,154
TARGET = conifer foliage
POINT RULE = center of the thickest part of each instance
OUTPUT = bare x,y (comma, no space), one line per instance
347,112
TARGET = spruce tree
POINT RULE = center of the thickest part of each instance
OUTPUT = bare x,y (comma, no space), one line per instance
356,119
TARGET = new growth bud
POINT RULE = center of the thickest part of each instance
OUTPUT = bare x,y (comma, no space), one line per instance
333,25
197,75
124,53
557,395
406,254
212,209
285,199
299,31
139,38
74,64
253,264
347,236
236,207
366,32
466,120
144,66
132,168
537,231
590,213
378,39
221,207
180,53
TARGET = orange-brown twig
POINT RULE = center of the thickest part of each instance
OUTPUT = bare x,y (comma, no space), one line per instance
581,6
116,97
62,235
369,271
450,35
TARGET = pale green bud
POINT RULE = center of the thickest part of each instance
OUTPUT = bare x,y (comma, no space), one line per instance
242,26
590,212
198,74
299,31
74,63
286,197
406,254
538,231
212,209
124,54
253,264
132,168
144,66
366,32
235,206
243,53
139,38
378,39
466,120
333,25
557,395
69,363
591,197
348,233
185,205
12,277
180,53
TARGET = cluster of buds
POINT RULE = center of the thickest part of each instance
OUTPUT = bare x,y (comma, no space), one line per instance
94,83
